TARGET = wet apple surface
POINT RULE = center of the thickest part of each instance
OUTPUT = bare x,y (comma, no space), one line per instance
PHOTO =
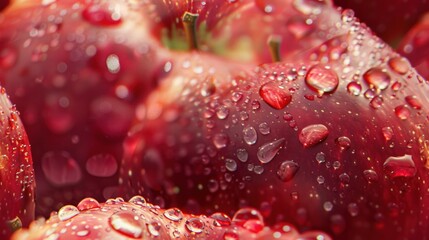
289,116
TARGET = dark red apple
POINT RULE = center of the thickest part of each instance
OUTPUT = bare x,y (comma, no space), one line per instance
16,171
335,140
138,219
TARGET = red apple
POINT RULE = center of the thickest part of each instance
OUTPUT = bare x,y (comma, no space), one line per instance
138,219
335,140
16,171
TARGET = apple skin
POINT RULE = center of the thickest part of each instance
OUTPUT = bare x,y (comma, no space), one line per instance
16,171
138,219
336,140
390,20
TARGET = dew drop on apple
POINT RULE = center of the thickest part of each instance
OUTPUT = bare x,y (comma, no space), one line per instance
195,225
83,233
399,166
287,170
67,212
387,133
308,7
222,112
258,170
213,186
242,154
328,206
354,88
220,219
102,165
208,89
154,228
88,203
245,214
320,157
353,209
230,235
320,180
399,64
126,223
322,79
60,168
138,200
173,214
313,134
274,95
376,102
268,151
264,128
377,78
343,142
249,135
220,140
402,112
370,175
414,102
100,15
230,165
347,15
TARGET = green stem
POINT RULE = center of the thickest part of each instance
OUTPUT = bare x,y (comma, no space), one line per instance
274,42
190,24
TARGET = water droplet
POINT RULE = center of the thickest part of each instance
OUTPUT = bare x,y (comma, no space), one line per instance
264,128
268,151
320,180
387,133
353,209
67,212
82,233
370,175
60,169
138,200
242,155
287,170
320,157
354,88
377,78
399,65
344,142
127,224
220,140
102,165
402,166
208,89
274,95
230,235
308,7
194,225
313,134
230,165
376,102
328,206
347,15
402,112
101,15
220,220
222,112
245,214
249,135
113,64
154,228
212,185
88,203
174,214
322,79
414,102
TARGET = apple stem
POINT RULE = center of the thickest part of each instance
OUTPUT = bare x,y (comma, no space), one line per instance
274,42
190,25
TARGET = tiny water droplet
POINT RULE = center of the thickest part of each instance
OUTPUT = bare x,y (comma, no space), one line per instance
376,102
67,212
154,228
88,203
402,112
268,151
245,214
313,134
320,157
308,7
138,200
402,166
220,140
274,95
387,133
242,154
343,142
194,225
414,102
370,175
287,170
322,79
377,78
220,220
353,209
230,165
399,65
264,128
101,15
127,224
354,88
174,214
249,135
